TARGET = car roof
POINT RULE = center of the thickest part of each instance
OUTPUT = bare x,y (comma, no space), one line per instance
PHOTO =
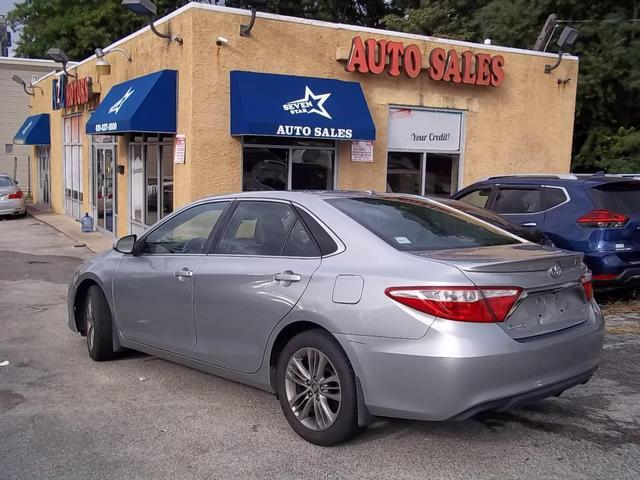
301,195
560,180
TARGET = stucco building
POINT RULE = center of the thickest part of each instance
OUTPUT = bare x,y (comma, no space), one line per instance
297,104
14,107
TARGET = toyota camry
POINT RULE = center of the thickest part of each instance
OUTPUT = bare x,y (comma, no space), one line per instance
347,306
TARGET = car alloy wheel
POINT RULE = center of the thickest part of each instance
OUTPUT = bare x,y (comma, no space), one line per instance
91,323
313,389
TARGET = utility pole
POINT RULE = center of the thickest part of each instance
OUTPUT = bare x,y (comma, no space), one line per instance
5,37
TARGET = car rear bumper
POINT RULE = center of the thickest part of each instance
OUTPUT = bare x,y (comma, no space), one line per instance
620,273
13,207
458,369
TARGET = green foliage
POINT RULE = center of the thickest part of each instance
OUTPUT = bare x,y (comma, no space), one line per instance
75,26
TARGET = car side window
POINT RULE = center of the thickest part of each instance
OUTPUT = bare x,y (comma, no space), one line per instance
478,198
517,200
187,232
553,197
300,243
258,228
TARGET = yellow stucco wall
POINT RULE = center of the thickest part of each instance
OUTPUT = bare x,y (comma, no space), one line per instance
524,126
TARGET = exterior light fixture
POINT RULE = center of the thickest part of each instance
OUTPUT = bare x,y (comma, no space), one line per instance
24,85
566,41
245,30
146,8
102,66
59,56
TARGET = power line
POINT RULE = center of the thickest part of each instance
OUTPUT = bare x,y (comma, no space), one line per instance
631,20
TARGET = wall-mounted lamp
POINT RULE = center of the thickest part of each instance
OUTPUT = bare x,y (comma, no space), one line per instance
102,66
245,30
26,87
59,56
147,8
565,42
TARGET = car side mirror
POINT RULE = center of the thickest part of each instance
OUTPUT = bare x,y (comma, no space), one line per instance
125,244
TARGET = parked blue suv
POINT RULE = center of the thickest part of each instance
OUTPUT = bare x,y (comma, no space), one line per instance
595,214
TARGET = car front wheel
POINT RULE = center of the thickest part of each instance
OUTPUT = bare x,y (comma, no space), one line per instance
316,388
97,317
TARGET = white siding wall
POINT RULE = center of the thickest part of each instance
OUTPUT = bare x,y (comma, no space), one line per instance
14,108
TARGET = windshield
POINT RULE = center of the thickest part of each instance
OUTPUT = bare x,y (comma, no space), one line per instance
621,197
415,225
5,182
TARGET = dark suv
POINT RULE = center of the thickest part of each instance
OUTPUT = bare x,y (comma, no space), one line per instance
595,214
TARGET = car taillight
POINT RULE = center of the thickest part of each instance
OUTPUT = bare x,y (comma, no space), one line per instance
17,194
606,277
603,219
587,284
464,304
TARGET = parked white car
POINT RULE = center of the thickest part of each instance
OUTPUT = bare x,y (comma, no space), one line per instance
12,201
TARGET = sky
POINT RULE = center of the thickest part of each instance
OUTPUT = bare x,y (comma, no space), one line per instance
5,6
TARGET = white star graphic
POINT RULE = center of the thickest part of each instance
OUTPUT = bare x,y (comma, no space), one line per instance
115,108
319,109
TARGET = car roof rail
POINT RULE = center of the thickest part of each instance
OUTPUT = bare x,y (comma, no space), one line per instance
559,176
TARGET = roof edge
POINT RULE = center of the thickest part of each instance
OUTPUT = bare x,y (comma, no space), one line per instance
317,23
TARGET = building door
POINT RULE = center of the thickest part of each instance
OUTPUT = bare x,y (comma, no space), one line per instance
104,187
44,174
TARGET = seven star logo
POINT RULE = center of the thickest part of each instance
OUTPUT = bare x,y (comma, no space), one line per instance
115,108
311,103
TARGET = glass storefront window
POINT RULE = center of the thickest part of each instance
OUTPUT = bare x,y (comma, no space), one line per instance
73,167
422,173
288,163
404,172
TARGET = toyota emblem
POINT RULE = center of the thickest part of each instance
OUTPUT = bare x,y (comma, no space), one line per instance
555,271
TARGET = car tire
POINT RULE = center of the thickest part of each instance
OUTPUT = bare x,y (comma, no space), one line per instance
316,387
97,317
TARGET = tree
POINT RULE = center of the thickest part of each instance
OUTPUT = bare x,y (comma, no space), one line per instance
75,26
356,12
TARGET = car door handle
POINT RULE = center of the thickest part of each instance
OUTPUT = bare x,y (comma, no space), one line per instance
182,274
530,224
287,276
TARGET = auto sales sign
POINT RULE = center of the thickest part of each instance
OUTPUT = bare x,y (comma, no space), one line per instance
394,58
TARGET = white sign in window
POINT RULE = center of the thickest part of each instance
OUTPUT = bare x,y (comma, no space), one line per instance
361,151
424,130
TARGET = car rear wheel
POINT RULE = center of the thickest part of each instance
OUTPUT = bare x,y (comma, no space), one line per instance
97,317
316,388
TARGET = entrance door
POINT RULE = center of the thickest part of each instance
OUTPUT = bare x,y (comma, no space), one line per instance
44,173
104,187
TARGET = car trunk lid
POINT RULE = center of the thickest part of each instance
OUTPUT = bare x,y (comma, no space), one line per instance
553,297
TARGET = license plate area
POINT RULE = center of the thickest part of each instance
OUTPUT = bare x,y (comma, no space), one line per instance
547,311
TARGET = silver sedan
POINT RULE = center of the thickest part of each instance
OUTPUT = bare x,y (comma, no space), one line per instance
348,306
12,201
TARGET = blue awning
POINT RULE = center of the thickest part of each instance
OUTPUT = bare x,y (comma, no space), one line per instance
284,105
144,104
34,131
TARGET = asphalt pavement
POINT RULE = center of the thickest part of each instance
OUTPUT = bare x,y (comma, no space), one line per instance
138,417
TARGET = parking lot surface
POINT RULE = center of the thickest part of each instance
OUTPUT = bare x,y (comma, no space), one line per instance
64,416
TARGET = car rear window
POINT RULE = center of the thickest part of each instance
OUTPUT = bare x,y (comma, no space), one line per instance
622,197
415,225
5,182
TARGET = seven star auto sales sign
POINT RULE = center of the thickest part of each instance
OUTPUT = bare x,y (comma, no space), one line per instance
377,56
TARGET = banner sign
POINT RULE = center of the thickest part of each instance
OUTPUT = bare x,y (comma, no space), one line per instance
66,94
378,56
291,106
424,130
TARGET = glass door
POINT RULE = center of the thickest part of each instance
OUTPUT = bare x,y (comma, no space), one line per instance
104,187
44,173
